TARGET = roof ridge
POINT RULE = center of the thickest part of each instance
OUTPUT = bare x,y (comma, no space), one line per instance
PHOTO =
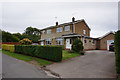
62,24
106,34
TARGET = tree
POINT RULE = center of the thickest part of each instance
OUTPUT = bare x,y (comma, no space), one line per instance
32,34
77,45
32,31
8,37
18,35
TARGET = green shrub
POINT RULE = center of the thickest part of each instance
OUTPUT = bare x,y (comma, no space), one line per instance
77,45
53,53
8,47
117,50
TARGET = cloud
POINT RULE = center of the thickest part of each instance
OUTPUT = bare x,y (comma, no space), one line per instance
101,17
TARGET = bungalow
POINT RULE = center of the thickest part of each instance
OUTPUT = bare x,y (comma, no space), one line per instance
64,34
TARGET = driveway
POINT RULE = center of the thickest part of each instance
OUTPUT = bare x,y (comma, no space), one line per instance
94,64
13,68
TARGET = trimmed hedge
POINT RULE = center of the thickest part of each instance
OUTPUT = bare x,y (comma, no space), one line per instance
7,47
53,53
117,50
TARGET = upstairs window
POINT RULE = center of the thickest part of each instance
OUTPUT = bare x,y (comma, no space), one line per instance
59,29
49,31
67,28
84,32
43,32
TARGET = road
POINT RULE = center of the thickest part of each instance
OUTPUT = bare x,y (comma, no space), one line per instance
13,68
94,64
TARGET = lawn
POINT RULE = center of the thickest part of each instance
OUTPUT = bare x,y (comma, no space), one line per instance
42,62
67,55
26,58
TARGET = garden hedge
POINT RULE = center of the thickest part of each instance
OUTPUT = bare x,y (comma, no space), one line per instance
7,47
117,50
53,53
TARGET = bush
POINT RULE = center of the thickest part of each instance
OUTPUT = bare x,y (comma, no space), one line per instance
117,50
25,41
7,47
77,45
53,53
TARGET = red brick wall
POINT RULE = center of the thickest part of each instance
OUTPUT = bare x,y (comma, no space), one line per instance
14,43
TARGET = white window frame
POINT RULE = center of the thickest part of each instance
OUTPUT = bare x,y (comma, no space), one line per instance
60,29
92,41
43,32
48,31
84,32
59,40
67,28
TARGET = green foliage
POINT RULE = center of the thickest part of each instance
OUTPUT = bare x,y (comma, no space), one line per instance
32,34
32,31
77,45
117,50
7,47
8,37
53,53
26,58
18,35
34,38
25,41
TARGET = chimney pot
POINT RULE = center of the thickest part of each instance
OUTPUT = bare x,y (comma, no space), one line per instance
73,19
56,23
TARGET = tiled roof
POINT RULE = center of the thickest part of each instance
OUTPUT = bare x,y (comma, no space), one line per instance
64,24
111,32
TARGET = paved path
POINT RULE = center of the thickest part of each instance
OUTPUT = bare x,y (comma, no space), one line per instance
95,64
13,68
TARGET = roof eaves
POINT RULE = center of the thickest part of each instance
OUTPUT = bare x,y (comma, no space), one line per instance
106,34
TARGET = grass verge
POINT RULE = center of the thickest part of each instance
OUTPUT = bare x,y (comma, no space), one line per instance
42,62
26,58
67,55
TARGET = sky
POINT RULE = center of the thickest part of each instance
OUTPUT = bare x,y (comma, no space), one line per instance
101,17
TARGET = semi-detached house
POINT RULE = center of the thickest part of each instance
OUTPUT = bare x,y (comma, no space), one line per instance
64,34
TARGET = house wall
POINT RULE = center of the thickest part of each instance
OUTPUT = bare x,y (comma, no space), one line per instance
55,34
79,27
103,41
89,45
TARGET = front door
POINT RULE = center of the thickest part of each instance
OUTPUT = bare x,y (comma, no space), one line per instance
68,44
42,43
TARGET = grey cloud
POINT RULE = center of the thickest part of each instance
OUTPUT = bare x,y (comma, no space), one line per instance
101,17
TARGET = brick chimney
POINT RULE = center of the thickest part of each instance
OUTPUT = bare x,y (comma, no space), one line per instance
73,19
56,23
